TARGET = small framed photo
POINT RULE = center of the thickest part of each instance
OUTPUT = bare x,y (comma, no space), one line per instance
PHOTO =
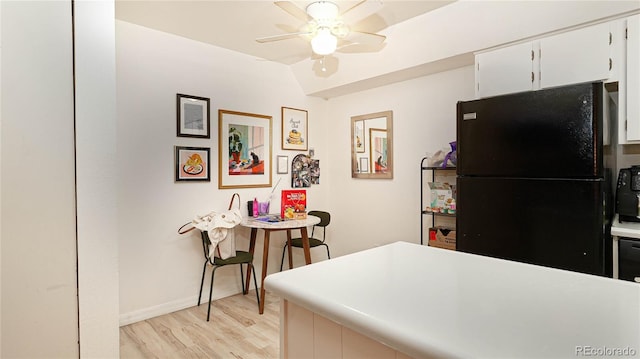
364,165
283,164
193,116
192,164
294,129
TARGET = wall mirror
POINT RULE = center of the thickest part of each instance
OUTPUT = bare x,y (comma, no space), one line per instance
372,145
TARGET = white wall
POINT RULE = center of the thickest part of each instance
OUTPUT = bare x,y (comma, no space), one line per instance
96,174
375,212
159,269
39,303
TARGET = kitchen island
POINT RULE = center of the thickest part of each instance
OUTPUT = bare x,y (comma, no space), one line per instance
406,300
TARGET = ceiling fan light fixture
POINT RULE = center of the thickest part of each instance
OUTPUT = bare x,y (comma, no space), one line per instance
324,43
323,10
340,30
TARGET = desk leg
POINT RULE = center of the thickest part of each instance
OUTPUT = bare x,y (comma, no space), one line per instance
305,245
289,248
265,258
252,249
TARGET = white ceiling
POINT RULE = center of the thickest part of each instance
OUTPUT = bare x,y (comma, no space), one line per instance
236,24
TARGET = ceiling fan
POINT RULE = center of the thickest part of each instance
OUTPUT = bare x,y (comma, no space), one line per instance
326,26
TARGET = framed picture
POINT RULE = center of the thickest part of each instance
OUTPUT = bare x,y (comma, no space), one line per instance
294,129
244,149
359,139
192,164
193,116
376,130
378,142
283,164
364,165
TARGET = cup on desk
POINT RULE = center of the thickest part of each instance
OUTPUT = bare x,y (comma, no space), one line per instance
263,208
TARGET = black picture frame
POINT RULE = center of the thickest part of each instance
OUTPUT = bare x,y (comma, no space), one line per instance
193,116
192,164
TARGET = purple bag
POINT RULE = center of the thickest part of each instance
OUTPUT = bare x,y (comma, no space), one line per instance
451,156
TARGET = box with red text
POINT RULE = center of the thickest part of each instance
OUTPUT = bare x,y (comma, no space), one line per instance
293,204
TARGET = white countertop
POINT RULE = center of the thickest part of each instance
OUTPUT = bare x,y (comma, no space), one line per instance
427,301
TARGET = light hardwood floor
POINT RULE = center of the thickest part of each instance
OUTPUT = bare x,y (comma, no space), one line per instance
236,330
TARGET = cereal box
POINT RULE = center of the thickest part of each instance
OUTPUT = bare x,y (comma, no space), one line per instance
441,194
294,204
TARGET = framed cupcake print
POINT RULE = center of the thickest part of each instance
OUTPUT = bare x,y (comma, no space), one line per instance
294,129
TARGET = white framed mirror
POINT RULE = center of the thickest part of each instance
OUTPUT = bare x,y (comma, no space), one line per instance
372,145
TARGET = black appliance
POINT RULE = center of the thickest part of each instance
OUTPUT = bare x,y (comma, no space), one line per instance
628,194
629,259
534,178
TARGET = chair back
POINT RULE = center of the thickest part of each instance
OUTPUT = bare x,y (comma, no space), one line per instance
325,219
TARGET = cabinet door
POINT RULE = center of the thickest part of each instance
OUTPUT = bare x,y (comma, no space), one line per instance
505,70
575,56
617,50
633,78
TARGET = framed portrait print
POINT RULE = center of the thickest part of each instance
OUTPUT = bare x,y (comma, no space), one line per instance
283,164
244,149
192,164
294,129
193,116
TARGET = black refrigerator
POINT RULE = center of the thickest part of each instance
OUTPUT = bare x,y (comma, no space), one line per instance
534,178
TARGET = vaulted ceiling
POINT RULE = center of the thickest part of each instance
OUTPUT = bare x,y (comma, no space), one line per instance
236,24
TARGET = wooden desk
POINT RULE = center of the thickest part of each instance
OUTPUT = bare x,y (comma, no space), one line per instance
269,227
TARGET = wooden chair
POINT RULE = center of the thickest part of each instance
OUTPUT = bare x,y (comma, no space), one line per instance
325,219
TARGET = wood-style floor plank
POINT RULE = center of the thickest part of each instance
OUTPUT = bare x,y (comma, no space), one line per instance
236,330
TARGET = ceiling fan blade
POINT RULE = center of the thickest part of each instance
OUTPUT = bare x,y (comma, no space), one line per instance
360,11
293,10
365,38
354,48
281,37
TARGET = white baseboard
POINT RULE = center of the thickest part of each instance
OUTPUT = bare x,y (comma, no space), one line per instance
173,306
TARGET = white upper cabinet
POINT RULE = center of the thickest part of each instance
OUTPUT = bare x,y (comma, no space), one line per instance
594,53
577,56
632,82
608,52
506,70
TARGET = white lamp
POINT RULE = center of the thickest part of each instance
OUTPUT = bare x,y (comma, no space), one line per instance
322,10
324,43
